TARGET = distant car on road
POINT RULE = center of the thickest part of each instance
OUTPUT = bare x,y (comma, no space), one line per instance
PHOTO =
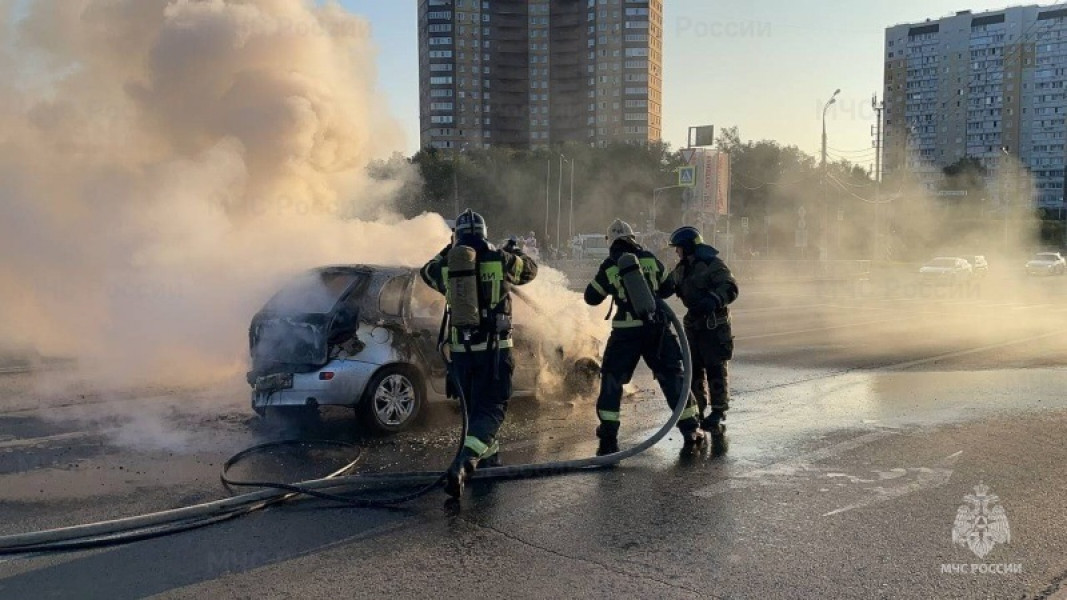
365,337
590,246
946,269
1046,263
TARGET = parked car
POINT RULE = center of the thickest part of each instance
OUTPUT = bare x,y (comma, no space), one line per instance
979,265
589,246
946,269
1046,263
365,337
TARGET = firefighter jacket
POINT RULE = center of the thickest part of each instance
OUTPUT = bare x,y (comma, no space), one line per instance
608,282
706,287
498,270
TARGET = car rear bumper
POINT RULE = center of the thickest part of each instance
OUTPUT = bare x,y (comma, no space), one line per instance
345,388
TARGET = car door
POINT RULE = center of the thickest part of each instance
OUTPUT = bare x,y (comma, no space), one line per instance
424,310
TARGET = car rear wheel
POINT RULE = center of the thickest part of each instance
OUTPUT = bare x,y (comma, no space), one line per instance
392,401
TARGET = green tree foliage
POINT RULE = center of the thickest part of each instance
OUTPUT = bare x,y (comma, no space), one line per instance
521,191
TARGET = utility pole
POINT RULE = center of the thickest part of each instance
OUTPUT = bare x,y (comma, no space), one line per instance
570,222
559,198
877,130
548,187
455,186
825,192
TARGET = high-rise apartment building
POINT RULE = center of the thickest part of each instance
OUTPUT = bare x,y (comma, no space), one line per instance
988,86
532,73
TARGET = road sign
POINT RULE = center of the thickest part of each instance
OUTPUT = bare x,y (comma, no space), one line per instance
704,136
687,176
688,154
744,224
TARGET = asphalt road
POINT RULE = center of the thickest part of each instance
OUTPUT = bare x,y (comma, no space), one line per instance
863,414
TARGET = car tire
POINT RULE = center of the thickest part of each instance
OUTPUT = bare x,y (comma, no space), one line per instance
583,378
392,399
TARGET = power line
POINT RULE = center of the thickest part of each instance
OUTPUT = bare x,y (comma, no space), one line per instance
863,151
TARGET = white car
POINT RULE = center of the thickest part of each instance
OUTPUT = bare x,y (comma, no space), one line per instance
1046,263
946,269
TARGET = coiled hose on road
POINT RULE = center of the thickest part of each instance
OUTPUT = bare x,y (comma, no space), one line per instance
156,524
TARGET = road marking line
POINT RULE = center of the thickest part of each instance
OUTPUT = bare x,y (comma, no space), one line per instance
958,353
926,479
23,443
1029,306
743,311
798,462
814,330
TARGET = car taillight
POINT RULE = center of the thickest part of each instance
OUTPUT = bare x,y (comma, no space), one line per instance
325,375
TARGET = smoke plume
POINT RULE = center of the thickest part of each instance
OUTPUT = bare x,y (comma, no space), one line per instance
165,163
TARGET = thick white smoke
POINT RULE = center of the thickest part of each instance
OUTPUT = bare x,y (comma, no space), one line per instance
164,163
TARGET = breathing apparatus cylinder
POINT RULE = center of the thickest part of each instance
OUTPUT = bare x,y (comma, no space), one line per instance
637,291
462,293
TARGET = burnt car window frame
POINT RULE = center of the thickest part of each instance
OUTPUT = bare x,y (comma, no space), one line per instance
401,300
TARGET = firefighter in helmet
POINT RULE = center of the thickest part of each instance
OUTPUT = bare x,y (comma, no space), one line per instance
706,287
475,278
635,336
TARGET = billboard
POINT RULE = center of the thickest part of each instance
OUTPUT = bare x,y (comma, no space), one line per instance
716,183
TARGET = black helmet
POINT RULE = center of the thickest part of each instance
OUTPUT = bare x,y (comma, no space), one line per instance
471,223
686,238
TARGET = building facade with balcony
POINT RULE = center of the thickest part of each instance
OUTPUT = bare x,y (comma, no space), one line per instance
989,86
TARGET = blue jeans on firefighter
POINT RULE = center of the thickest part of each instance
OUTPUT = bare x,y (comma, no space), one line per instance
663,355
487,390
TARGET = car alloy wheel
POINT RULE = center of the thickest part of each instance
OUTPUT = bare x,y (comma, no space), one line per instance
394,400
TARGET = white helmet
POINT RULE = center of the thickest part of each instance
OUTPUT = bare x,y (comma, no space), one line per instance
620,229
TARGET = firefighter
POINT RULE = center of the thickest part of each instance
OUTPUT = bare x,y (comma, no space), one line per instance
633,338
706,287
475,278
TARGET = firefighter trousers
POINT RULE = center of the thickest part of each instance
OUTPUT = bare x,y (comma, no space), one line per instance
660,349
487,388
711,350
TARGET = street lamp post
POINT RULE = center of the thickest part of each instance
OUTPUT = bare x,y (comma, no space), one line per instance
548,187
1005,199
559,198
825,198
655,198
570,222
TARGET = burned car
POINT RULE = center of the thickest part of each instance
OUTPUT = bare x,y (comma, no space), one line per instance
365,337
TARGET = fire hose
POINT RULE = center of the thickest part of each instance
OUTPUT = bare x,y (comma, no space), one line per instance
341,481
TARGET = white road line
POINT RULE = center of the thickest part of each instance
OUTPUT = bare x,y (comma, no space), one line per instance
798,462
745,311
922,361
1030,306
926,478
813,330
29,442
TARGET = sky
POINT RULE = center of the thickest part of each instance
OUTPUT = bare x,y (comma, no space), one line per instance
765,66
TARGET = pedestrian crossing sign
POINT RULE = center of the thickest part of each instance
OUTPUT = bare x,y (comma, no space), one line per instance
687,176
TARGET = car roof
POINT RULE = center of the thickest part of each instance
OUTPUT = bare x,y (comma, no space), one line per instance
366,269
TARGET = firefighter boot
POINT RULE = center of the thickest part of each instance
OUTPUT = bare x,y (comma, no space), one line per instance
459,472
714,426
717,431
694,441
609,440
